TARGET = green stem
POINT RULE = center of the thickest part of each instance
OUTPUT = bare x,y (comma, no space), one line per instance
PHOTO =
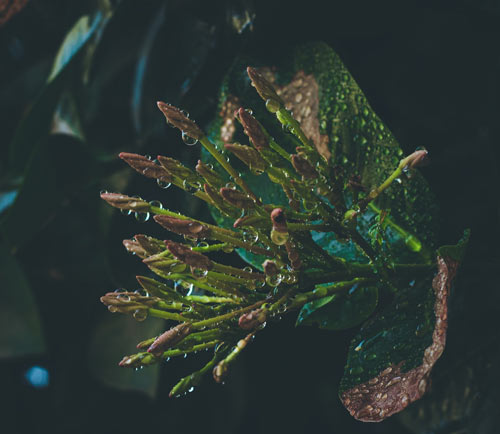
229,169
220,318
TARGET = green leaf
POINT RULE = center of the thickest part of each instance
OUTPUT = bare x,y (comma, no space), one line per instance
111,341
340,311
355,136
74,40
19,317
35,125
50,177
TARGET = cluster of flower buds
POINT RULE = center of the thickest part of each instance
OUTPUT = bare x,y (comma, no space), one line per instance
218,306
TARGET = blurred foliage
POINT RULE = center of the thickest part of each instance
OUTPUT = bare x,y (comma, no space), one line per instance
430,71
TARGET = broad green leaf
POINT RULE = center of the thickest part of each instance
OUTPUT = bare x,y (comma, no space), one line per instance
358,140
74,40
50,176
340,311
111,341
19,318
35,125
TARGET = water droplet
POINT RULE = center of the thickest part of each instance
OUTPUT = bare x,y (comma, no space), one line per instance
140,314
188,140
126,211
188,187
250,236
156,204
274,280
279,238
199,274
163,184
142,216
272,105
112,308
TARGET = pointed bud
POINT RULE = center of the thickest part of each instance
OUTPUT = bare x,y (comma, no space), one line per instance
176,168
127,302
169,339
179,120
164,264
186,255
219,202
416,159
270,268
253,129
135,248
158,289
303,167
151,245
209,174
248,155
122,201
293,255
145,166
220,371
263,87
237,198
249,220
136,360
183,227
253,319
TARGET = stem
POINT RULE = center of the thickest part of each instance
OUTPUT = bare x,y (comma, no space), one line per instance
218,319
229,169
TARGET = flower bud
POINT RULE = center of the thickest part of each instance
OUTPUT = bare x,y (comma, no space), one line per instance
253,129
237,198
248,155
210,175
263,87
135,248
253,319
303,167
151,245
145,166
122,201
220,371
179,120
270,268
183,227
416,159
186,255
169,339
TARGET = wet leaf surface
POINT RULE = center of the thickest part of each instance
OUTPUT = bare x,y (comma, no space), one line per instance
19,319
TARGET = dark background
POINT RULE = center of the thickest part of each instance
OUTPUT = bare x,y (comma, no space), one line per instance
430,70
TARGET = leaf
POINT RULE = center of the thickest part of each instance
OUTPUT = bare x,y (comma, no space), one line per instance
391,358
7,198
341,123
340,311
49,179
74,40
19,317
111,341
35,125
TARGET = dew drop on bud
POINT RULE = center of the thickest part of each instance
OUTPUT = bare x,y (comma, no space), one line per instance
156,204
142,216
279,238
272,105
140,314
163,184
190,141
126,211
